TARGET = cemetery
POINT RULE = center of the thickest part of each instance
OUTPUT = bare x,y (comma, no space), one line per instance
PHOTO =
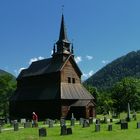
49,100
80,129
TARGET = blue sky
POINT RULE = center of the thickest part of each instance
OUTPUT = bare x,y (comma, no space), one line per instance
101,31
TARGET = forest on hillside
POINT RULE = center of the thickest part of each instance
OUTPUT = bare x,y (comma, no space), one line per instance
117,84
125,66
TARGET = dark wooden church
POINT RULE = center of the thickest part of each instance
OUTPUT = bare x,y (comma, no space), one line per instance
52,87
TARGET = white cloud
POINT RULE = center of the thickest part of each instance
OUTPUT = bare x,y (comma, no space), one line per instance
78,59
20,70
89,57
105,61
90,73
35,59
86,75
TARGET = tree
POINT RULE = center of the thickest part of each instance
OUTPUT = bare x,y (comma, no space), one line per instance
7,87
124,92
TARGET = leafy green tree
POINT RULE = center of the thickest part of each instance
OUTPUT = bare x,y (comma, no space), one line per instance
7,86
126,91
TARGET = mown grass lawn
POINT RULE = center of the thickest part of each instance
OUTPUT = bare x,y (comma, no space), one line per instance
79,133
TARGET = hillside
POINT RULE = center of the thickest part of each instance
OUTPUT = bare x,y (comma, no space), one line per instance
125,66
2,72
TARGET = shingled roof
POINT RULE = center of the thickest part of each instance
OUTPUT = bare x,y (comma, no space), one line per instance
74,91
46,66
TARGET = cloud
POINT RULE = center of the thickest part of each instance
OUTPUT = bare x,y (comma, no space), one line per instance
86,75
20,70
89,57
35,59
105,61
78,59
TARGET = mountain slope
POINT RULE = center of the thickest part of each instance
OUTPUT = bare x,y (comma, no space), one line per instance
2,72
125,66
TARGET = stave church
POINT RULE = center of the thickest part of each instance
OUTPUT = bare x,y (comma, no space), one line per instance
52,87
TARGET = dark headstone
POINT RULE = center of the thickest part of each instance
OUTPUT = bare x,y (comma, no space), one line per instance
134,116
27,125
97,121
128,118
63,130
97,127
42,132
138,125
105,119
110,127
90,120
0,128
86,123
69,131
16,126
111,120
124,125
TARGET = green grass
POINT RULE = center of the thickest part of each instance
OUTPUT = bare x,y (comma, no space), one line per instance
79,133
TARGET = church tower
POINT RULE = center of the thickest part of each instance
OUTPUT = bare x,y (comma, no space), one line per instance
63,45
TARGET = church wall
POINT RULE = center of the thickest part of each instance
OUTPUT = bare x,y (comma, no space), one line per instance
69,75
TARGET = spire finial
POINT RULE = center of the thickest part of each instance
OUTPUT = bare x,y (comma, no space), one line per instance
62,9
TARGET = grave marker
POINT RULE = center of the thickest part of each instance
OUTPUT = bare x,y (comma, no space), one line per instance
97,127
110,127
63,130
16,128
42,132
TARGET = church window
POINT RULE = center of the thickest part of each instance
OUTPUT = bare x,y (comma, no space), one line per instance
73,80
69,80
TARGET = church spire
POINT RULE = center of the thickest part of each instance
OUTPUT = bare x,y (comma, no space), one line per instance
63,44
63,33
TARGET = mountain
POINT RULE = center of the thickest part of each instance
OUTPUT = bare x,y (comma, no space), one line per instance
2,72
125,66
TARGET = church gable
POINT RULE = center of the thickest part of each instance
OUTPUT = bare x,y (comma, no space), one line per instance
70,73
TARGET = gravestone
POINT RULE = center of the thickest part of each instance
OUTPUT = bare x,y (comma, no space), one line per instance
47,121
110,127
111,120
27,125
86,123
128,118
16,126
81,121
72,121
138,125
22,121
124,125
134,116
97,121
97,127
90,120
0,128
62,121
69,131
42,132
51,122
63,130
105,119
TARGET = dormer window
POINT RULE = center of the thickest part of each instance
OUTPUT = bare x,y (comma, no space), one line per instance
69,80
